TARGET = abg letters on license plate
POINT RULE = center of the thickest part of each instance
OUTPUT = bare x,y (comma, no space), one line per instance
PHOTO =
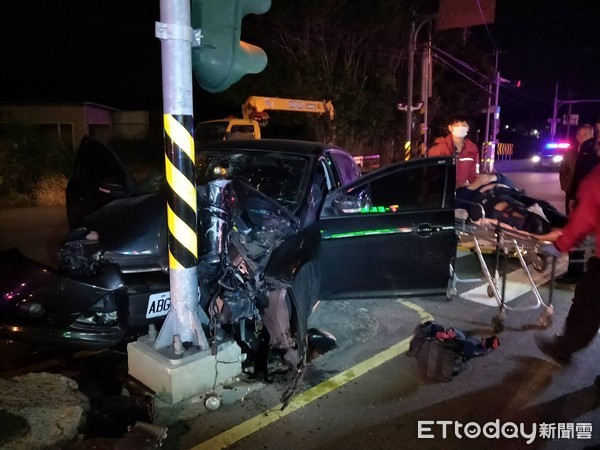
158,305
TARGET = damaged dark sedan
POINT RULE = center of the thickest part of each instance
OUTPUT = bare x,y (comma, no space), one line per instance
281,226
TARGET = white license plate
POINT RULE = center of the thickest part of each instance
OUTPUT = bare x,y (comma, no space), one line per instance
158,305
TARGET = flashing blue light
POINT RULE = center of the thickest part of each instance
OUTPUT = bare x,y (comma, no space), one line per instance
558,145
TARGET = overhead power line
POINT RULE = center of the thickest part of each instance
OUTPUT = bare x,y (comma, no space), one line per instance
460,62
439,58
485,24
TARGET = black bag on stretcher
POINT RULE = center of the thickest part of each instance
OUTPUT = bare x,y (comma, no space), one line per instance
501,201
443,353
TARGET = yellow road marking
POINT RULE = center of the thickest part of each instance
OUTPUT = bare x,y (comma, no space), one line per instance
424,315
299,401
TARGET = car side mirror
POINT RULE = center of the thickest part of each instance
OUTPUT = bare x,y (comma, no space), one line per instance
348,204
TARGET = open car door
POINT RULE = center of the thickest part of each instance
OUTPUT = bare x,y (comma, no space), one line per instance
390,233
99,177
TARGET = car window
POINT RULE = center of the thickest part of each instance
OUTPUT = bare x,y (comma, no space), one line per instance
97,164
240,132
151,184
408,189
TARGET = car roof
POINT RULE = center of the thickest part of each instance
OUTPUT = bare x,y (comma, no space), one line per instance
274,145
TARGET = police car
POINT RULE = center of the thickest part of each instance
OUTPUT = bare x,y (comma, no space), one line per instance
551,156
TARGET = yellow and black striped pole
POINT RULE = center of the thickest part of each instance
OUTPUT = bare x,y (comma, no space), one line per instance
183,323
181,197
407,150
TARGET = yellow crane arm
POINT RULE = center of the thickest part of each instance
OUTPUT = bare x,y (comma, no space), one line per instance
256,104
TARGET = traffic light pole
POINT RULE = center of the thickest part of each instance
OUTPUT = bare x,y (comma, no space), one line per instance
176,35
557,104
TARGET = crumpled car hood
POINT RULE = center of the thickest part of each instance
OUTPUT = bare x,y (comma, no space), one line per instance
25,281
133,231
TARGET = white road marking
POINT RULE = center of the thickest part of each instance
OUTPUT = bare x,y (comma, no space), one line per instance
517,284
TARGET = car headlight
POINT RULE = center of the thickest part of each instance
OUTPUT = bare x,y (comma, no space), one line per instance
557,158
536,159
32,310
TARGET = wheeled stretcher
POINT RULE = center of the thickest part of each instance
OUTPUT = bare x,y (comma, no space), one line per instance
506,241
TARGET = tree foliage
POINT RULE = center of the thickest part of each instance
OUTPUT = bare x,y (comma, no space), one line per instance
27,155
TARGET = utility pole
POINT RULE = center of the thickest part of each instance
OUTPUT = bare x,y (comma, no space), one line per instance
409,91
409,108
554,111
183,320
569,119
495,123
426,90
487,145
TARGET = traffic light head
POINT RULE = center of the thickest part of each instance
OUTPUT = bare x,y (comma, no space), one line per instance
222,59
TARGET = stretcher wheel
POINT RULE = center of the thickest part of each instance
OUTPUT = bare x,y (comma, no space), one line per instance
539,262
451,293
547,317
490,291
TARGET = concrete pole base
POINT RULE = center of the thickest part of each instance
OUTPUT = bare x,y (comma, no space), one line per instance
175,378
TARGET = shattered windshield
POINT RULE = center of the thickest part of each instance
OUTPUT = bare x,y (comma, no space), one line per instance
280,176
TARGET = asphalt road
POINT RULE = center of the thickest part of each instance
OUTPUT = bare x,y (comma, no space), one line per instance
368,394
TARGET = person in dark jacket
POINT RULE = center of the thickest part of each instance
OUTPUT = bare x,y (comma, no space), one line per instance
587,158
585,132
583,320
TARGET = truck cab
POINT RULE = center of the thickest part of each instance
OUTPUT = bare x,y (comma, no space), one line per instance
226,129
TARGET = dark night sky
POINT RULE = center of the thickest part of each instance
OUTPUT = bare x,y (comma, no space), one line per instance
542,43
106,52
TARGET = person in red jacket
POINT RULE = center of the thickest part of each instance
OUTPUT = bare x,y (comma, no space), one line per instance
583,321
457,143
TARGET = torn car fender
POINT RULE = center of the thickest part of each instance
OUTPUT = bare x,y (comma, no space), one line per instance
23,280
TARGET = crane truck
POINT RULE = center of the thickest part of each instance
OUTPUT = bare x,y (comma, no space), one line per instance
254,116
